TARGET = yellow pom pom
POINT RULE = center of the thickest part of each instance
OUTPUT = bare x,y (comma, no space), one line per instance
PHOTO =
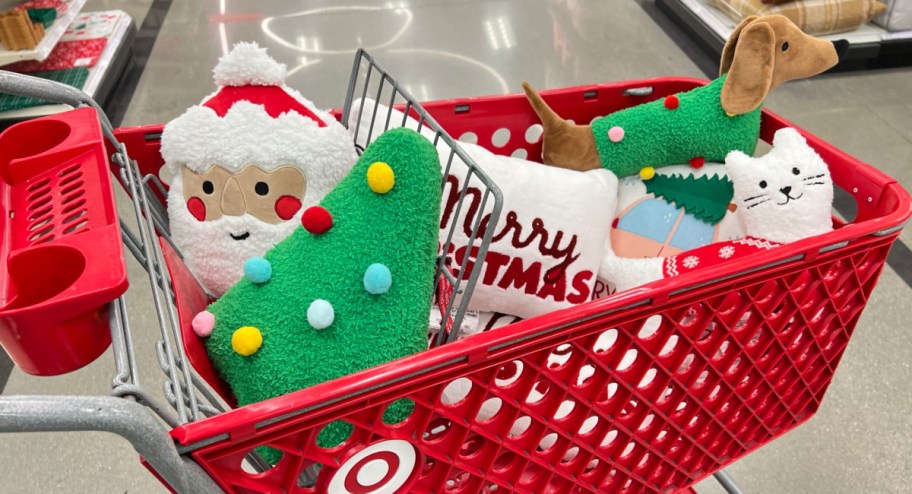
380,177
647,173
247,340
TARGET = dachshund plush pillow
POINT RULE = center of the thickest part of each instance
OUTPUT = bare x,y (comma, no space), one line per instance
705,123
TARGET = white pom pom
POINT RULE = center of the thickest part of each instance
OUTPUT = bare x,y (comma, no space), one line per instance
248,65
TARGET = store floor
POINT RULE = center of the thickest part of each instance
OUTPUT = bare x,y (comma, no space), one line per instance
857,443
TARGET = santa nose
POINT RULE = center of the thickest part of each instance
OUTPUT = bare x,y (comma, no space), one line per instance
785,190
233,203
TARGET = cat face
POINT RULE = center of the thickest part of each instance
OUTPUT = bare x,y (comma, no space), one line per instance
786,194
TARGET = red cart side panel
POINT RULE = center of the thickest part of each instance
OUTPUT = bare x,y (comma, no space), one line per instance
651,390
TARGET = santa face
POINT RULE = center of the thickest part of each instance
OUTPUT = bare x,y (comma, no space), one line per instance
220,219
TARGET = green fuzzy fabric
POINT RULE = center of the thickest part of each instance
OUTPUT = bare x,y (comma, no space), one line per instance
398,229
656,136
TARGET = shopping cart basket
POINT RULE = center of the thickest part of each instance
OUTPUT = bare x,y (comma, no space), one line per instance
647,391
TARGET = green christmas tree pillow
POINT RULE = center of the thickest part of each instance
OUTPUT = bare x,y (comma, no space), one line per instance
348,290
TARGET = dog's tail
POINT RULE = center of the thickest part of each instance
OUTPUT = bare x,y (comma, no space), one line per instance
550,120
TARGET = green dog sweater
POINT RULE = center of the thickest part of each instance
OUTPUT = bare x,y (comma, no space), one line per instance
349,290
674,130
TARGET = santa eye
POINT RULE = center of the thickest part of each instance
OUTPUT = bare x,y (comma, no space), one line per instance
796,171
208,188
763,184
261,188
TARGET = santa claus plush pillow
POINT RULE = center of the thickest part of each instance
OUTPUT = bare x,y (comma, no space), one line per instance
245,163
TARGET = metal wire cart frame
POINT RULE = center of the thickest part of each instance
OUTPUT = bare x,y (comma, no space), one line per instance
656,388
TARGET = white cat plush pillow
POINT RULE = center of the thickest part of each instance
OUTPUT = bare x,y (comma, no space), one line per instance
782,197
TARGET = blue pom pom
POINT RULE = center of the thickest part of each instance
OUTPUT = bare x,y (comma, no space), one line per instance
377,279
320,314
257,270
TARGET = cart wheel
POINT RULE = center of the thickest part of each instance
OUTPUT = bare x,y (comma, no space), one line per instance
381,468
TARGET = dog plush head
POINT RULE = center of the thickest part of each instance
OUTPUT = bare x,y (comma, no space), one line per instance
762,53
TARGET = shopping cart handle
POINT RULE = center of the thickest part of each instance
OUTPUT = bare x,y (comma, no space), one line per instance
36,87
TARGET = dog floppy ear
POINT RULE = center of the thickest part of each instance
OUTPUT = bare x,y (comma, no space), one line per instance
750,76
728,52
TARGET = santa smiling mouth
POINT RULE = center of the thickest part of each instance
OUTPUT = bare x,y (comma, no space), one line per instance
242,236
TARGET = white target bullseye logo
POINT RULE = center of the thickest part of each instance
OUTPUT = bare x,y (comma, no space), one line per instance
381,468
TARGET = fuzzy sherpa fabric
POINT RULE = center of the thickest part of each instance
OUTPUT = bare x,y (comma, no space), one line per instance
214,258
787,194
200,139
658,134
397,229
248,64
240,135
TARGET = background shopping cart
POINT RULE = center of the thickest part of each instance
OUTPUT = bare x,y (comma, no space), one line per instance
736,393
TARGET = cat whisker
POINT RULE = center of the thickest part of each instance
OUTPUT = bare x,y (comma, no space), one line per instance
816,183
812,178
758,203
755,197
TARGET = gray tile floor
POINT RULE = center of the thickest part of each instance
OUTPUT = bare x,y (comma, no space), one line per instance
858,442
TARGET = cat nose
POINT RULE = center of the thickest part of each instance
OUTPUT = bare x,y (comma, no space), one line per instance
785,190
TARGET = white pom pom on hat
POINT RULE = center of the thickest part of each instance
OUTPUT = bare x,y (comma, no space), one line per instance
247,64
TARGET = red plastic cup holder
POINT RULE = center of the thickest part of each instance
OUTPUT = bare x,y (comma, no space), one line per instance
33,138
60,247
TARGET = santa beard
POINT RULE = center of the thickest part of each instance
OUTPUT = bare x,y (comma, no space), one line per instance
214,257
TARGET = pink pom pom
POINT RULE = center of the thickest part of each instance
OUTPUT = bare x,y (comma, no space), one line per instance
203,323
616,134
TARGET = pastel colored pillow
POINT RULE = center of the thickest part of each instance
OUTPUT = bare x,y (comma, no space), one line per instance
679,209
547,246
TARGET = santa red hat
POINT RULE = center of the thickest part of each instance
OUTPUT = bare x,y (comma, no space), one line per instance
254,118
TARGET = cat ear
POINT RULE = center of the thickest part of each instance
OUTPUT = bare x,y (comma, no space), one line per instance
790,138
737,165
737,159
790,144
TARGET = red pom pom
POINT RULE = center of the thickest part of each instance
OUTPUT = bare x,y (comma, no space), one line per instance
287,206
672,102
614,224
316,220
698,162
197,208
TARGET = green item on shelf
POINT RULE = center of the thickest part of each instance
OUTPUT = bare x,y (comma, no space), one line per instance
75,77
44,16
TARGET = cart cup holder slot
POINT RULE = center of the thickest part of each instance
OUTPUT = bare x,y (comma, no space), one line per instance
61,258
45,331
38,275
31,148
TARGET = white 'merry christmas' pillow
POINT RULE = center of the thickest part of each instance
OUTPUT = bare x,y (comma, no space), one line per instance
549,241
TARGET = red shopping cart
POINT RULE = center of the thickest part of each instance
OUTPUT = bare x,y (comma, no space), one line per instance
654,390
